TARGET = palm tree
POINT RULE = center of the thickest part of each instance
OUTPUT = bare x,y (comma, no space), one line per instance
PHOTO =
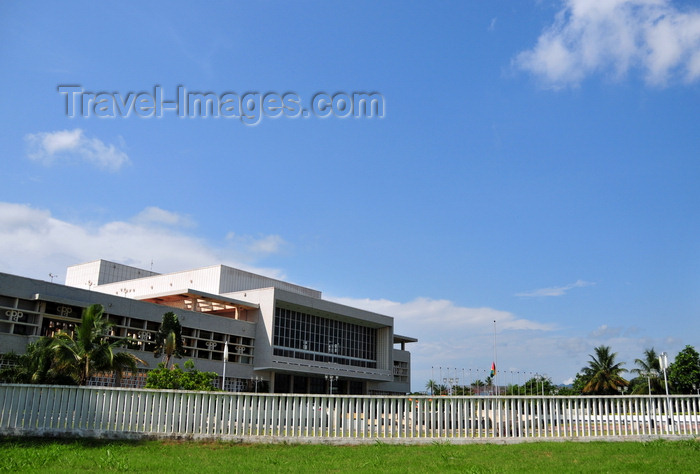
90,350
477,384
34,366
605,373
648,368
489,383
169,339
432,387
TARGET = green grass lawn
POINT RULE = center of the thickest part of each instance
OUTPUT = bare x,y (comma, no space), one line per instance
51,455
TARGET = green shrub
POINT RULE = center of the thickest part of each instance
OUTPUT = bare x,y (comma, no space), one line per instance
177,379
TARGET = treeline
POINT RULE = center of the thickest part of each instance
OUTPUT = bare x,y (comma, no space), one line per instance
604,375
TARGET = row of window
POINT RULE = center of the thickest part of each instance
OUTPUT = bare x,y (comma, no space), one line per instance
18,316
36,318
309,337
400,371
197,343
128,380
323,358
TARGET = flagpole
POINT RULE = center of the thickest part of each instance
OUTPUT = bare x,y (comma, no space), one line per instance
495,360
223,377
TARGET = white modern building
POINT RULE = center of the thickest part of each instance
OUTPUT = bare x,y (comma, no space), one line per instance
282,337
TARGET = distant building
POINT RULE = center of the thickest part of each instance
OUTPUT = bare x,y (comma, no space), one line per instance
281,335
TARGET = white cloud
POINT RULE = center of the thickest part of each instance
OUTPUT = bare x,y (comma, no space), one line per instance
260,246
41,244
55,142
613,37
48,147
157,216
459,341
555,290
606,332
459,337
423,311
269,244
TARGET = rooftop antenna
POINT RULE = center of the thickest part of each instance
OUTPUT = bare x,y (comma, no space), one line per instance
151,264
52,276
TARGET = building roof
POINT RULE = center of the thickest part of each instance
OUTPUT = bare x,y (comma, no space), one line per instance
200,301
404,339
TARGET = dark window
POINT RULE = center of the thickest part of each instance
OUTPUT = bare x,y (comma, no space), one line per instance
310,337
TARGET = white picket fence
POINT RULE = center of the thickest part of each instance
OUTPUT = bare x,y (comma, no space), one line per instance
46,410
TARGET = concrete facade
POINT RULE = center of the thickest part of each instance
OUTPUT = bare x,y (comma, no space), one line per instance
282,337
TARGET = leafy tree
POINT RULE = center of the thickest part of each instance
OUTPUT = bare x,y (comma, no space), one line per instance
684,373
536,385
604,372
177,379
580,380
567,391
89,350
549,387
513,389
648,370
34,366
12,368
639,386
169,339
460,390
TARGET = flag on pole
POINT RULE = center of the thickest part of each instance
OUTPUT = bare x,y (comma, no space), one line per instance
493,369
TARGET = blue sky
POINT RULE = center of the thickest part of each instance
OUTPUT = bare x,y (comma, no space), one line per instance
536,163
